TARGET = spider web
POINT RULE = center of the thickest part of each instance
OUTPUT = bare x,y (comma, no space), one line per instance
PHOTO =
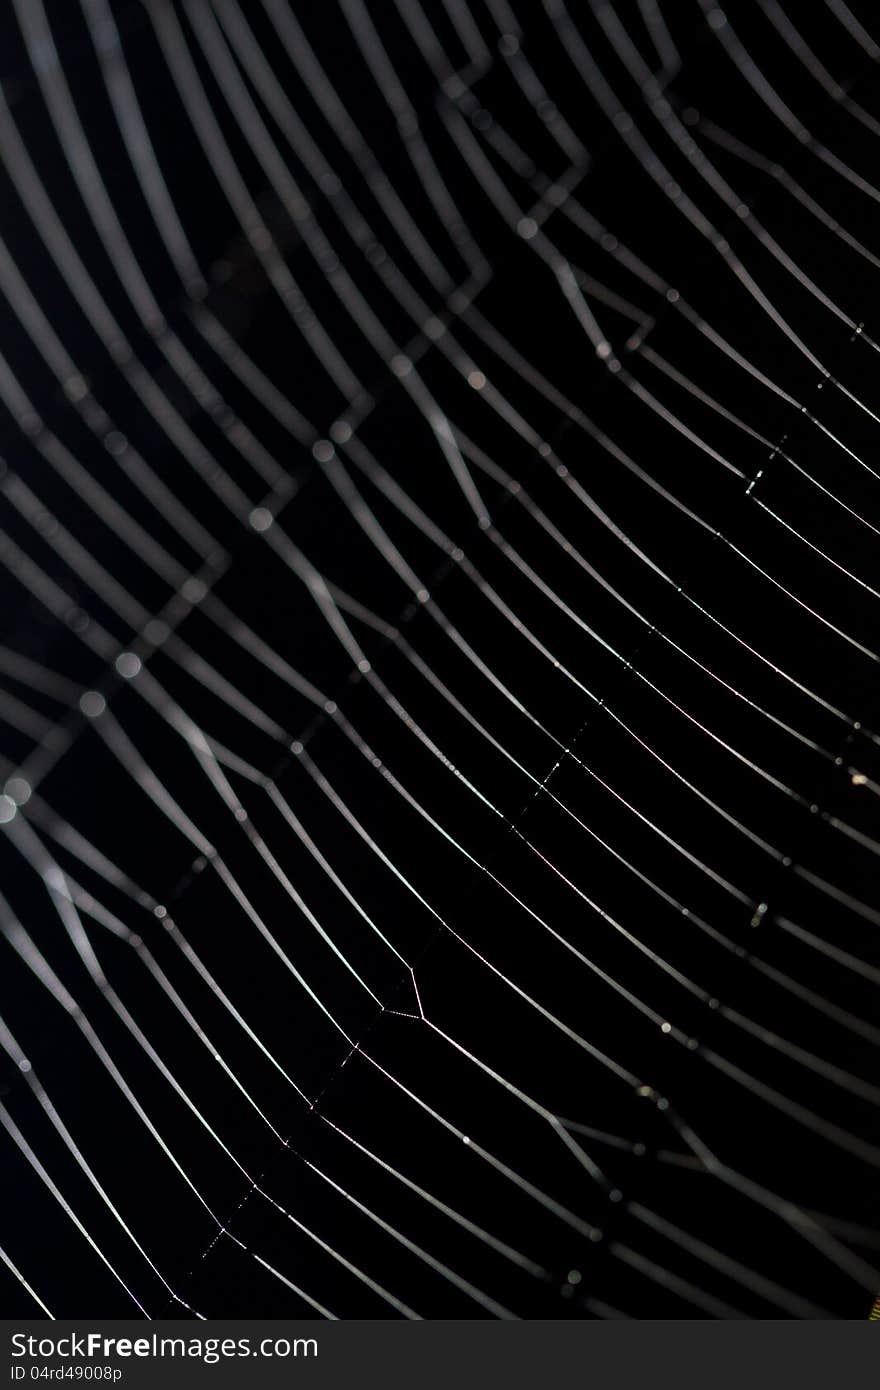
439,659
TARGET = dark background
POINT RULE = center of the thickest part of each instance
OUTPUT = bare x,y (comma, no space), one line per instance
616,779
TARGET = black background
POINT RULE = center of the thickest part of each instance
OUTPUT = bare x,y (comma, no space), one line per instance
567,899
